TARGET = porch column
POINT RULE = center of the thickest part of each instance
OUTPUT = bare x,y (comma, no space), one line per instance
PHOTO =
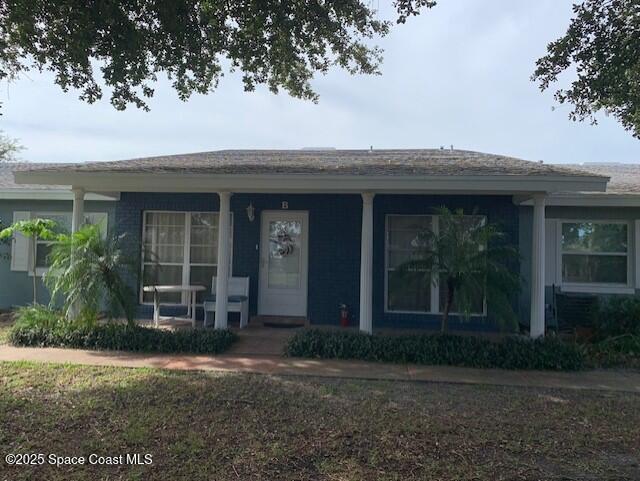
536,327
366,264
77,217
222,276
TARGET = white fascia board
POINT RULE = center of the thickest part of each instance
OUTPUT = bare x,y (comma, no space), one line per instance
53,194
174,182
590,200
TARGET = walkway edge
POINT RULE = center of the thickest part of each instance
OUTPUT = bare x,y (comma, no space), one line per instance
601,380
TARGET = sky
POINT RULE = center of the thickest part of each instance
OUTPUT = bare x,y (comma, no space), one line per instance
459,74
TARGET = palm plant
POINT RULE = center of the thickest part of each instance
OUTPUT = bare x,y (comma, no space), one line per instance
86,270
33,229
471,260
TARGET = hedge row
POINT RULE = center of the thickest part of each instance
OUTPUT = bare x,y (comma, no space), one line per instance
510,353
122,337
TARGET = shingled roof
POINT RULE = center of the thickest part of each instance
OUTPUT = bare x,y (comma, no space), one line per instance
625,178
436,162
7,181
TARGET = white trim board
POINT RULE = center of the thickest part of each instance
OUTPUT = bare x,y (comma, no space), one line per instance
587,200
54,194
290,183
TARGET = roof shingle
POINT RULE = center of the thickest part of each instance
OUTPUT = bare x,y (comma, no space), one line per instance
8,182
625,178
426,162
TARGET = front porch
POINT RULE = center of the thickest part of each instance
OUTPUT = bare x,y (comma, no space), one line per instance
344,250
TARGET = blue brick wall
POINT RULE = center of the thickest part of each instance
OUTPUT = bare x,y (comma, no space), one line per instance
334,243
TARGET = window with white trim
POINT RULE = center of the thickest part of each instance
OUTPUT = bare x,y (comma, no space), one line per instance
179,248
595,253
63,225
408,291
414,290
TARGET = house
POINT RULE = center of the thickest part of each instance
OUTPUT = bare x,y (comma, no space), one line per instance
316,229
24,201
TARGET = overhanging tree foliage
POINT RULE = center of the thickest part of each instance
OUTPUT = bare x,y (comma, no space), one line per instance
278,43
8,148
602,44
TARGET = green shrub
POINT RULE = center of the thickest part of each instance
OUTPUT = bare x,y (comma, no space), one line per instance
510,353
618,316
121,337
37,316
621,351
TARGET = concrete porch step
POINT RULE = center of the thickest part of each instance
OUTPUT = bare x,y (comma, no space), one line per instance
279,321
260,341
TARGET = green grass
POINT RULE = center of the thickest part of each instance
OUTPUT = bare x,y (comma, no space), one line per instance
202,426
5,326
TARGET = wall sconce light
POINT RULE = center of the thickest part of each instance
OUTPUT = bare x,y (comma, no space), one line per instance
251,212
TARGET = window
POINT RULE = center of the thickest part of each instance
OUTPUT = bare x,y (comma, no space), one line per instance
179,248
595,253
43,247
63,224
411,290
414,290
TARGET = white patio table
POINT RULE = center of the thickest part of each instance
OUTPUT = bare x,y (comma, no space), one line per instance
191,303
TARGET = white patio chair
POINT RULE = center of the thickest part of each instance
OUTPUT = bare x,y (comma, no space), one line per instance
237,300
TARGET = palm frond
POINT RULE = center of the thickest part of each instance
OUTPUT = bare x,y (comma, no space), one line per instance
88,270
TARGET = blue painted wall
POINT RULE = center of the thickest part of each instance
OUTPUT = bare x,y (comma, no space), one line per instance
334,243
16,287
334,248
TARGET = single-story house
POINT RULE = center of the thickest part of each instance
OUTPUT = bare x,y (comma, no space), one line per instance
314,229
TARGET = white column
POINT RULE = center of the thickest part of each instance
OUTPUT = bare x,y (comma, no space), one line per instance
224,252
77,218
537,327
366,264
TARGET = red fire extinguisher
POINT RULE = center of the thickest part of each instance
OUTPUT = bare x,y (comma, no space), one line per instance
344,315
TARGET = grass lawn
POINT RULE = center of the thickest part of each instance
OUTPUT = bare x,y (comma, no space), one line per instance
5,325
208,426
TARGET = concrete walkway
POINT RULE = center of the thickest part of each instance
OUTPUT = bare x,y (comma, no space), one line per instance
605,380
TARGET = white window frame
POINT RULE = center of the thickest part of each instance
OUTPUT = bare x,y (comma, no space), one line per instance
595,287
435,278
186,257
434,288
41,271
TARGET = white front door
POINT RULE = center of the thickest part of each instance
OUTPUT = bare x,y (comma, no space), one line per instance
283,263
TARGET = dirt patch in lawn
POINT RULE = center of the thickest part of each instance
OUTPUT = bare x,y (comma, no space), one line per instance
202,426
